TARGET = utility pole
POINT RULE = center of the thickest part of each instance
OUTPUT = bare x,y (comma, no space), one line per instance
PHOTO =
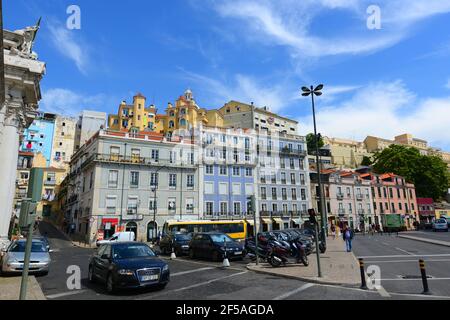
2,59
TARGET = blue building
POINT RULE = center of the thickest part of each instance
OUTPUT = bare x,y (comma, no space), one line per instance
38,138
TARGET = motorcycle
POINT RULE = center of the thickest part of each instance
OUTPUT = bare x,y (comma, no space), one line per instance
263,248
283,251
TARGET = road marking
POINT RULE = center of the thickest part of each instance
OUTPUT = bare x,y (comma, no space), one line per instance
204,263
403,256
383,292
190,271
407,252
209,282
400,261
420,295
386,244
419,279
291,293
64,294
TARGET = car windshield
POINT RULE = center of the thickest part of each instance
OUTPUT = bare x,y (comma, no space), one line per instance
132,251
220,238
441,221
36,246
182,237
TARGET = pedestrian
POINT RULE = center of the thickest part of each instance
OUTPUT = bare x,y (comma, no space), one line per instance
333,231
348,235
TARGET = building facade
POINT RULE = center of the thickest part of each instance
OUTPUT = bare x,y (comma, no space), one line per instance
345,153
63,142
123,181
426,209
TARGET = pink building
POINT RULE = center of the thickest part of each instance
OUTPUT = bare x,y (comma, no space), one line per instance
426,209
393,195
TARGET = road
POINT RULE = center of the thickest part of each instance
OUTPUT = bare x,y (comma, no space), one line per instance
398,260
193,280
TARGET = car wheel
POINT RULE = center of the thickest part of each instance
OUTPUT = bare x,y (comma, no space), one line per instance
191,254
110,284
91,276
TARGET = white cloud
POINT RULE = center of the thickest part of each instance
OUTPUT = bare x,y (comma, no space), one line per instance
70,103
385,110
70,46
287,23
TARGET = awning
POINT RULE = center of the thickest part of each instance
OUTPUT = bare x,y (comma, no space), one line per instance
298,221
112,221
250,222
278,220
266,220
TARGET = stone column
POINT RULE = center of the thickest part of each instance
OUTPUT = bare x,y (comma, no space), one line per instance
9,144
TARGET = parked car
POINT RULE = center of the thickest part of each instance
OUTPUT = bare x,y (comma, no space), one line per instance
212,245
44,240
179,241
127,265
12,258
440,224
118,237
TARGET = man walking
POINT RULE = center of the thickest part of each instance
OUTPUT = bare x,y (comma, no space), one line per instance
348,235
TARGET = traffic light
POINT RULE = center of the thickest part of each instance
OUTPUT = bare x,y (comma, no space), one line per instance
35,184
312,216
251,204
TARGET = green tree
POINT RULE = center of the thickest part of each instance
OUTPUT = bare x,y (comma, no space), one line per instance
366,161
428,173
311,142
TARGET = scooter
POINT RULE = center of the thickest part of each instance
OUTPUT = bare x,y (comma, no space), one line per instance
263,248
283,252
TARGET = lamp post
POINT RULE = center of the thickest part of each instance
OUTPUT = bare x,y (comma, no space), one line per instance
154,189
317,91
2,62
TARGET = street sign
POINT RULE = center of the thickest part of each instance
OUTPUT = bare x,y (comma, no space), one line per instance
27,214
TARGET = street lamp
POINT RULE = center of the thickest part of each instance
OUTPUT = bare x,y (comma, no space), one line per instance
154,188
318,92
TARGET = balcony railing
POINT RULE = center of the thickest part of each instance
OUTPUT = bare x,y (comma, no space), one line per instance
50,182
292,152
341,211
136,160
340,196
359,197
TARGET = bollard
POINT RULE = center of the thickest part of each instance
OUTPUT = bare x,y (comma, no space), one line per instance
226,262
363,274
426,290
173,256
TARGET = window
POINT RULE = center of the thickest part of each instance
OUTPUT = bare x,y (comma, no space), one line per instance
236,171
134,179
132,205
291,163
152,205
302,179
398,194
172,180
237,208
393,207
223,208
190,180
209,187
292,178
235,140
172,157
391,194
283,178
350,209
263,194
209,169
237,189
155,155
223,188
190,205
91,180
111,204
248,172
303,194
400,206
171,205
153,179
209,208
284,193
223,170
301,164
294,194
274,207
274,193
114,152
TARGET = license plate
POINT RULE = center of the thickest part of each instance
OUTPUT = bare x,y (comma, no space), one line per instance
238,252
150,278
185,247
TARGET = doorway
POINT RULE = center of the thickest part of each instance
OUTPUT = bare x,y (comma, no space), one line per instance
132,227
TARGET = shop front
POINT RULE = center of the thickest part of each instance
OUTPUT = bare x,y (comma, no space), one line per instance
108,227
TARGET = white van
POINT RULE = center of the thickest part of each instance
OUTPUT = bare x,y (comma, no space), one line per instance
118,237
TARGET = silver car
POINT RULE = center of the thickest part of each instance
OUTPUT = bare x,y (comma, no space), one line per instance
440,224
13,257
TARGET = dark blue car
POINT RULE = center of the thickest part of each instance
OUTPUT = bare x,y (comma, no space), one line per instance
128,265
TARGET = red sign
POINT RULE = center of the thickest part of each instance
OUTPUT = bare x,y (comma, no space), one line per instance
112,221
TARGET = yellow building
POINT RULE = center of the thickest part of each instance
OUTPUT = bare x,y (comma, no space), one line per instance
346,153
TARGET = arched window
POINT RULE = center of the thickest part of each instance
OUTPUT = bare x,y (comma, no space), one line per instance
171,124
183,111
172,114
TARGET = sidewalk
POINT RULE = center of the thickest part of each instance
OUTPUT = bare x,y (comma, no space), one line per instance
10,289
426,240
338,267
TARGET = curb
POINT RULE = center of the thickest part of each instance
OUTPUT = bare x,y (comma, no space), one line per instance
436,242
305,279
35,284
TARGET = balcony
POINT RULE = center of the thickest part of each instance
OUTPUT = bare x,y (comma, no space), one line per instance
340,196
292,152
115,158
360,197
50,182
341,212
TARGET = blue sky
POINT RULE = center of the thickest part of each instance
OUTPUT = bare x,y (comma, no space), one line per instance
380,82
